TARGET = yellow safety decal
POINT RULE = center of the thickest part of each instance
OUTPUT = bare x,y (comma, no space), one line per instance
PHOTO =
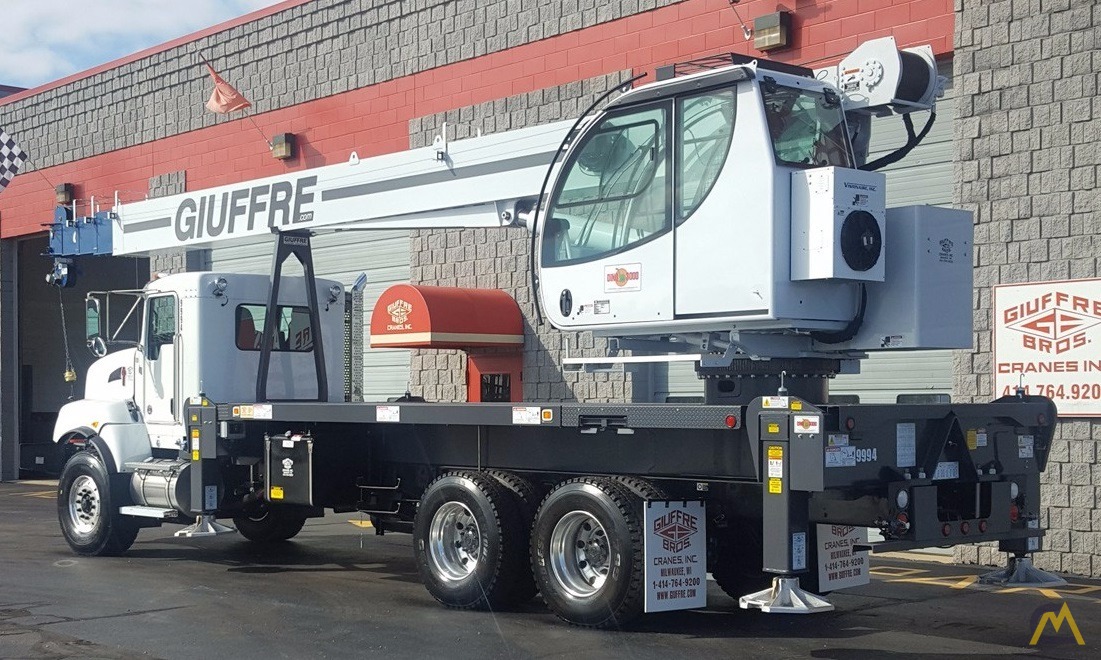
796,405
276,492
775,451
773,428
972,438
194,454
775,486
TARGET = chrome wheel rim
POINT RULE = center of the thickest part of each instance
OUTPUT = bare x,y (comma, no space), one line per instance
84,504
580,554
454,541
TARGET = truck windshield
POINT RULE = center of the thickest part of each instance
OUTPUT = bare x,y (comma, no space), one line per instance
806,127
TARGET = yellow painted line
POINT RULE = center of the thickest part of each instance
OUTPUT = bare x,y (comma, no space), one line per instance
896,571
40,494
361,523
951,581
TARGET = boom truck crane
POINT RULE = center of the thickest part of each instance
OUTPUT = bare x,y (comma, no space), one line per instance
726,209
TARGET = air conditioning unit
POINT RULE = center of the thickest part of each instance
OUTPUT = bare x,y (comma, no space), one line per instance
837,224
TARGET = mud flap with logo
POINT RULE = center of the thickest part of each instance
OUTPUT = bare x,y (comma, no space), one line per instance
676,555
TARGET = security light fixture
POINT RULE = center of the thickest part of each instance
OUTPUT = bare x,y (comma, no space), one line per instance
282,146
772,31
63,193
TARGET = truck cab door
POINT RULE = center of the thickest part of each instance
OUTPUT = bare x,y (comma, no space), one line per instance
159,390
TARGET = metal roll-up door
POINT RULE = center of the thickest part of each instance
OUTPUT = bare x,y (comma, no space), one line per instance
383,255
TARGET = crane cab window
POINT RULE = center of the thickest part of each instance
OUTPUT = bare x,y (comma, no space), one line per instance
615,192
292,330
705,125
806,127
160,326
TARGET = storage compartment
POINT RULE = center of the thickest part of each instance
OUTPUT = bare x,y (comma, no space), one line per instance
289,473
925,301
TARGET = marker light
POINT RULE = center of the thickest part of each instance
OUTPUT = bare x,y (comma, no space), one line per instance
902,499
1014,490
1014,512
946,529
965,527
982,527
731,421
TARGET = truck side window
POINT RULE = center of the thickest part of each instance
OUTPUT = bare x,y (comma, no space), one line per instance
705,125
615,193
160,324
292,331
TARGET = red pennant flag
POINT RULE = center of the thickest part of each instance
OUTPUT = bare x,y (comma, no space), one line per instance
224,99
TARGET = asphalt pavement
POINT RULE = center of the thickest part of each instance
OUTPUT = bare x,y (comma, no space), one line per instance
339,591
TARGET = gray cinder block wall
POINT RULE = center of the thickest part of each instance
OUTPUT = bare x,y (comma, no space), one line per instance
499,259
1028,155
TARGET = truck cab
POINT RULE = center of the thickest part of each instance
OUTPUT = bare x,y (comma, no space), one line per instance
197,333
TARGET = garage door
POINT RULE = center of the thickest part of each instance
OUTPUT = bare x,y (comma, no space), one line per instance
383,255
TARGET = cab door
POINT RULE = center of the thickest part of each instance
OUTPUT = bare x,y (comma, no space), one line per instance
160,404
607,245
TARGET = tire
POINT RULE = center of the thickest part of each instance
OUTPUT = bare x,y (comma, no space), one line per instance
271,525
468,542
587,552
86,506
526,496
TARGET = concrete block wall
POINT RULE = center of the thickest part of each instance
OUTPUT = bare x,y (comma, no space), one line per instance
174,261
306,52
1028,161
499,259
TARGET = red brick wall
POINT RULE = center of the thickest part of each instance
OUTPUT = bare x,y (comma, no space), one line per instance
374,120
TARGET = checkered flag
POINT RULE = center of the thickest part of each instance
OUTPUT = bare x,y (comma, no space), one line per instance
12,158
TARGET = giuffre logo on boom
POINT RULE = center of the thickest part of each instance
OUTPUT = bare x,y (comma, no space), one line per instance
1054,323
675,530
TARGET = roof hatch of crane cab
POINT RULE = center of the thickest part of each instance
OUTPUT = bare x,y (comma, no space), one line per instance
411,316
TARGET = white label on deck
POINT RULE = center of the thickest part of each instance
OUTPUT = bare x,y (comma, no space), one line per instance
387,413
528,415
906,444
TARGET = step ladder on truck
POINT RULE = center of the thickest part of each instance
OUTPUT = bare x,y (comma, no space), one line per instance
725,211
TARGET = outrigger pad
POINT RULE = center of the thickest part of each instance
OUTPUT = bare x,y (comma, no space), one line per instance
205,525
785,597
1020,572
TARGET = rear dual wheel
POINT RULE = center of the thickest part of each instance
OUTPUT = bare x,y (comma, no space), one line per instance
470,542
587,550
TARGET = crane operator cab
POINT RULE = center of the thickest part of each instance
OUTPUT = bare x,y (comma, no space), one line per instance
730,199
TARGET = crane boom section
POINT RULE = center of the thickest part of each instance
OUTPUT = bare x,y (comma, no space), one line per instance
476,182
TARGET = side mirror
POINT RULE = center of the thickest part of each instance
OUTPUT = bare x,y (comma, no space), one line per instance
92,327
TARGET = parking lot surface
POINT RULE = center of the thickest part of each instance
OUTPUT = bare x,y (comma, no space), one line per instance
338,590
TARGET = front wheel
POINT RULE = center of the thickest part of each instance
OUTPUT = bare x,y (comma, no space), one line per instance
587,552
86,510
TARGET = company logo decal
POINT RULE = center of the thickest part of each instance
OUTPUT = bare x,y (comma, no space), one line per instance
1054,323
623,278
399,311
675,530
